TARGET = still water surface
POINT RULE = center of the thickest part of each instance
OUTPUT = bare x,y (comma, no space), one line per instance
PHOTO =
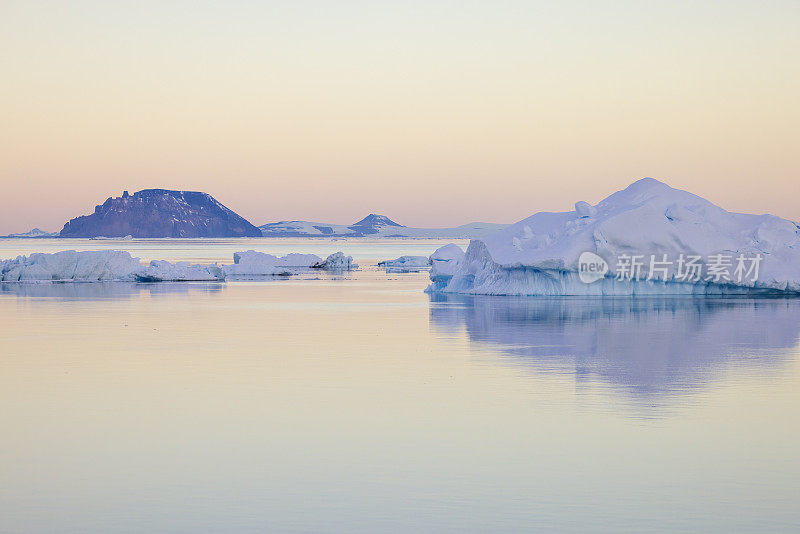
358,403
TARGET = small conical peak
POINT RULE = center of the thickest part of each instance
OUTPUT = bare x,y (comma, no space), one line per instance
374,219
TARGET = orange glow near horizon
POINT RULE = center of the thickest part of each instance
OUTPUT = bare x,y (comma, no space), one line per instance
432,113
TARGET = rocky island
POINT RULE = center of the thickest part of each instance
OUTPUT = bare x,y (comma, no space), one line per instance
161,213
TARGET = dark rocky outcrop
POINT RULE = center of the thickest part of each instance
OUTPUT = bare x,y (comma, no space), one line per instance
161,213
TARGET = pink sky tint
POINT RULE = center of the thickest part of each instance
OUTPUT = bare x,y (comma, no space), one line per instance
433,113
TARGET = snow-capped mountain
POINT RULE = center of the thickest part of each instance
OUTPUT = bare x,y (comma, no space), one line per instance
374,225
161,213
646,239
35,233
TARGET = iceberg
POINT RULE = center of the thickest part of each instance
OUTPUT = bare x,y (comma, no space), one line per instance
336,262
406,264
445,262
70,265
182,271
119,266
648,239
253,263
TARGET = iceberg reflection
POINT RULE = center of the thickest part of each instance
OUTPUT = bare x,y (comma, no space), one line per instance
649,347
102,290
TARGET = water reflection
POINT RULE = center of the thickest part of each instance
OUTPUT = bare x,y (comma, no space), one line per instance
104,290
651,348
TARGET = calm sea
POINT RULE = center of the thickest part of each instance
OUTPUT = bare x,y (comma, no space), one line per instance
358,403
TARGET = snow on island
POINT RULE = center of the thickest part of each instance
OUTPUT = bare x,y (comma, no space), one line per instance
646,239
118,265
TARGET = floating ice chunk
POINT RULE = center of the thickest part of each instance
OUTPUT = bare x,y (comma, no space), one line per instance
182,271
336,262
406,264
648,219
70,265
253,263
296,259
445,262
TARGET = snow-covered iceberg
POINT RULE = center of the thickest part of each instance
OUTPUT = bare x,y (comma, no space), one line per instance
445,262
406,264
253,263
182,271
70,265
117,265
646,239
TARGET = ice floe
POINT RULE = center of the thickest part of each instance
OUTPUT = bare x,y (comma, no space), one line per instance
336,262
116,265
406,264
70,265
182,271
253,263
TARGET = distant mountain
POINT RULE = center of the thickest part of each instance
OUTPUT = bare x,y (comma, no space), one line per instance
161,213
35,233
374,225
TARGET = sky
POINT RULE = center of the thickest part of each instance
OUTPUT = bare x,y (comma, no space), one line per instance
435,113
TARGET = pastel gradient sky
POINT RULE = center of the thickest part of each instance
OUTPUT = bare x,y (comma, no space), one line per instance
434,113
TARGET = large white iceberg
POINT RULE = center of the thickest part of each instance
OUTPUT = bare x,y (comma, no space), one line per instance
70,265
646,239
406,264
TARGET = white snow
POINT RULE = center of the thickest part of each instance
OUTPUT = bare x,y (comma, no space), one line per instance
539,255
116,265
583,209
319,229
182,271
445,262
253,263
69,265
306,228
36,232
406,264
